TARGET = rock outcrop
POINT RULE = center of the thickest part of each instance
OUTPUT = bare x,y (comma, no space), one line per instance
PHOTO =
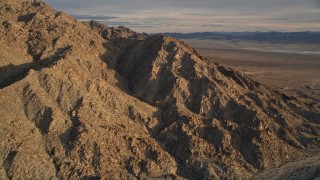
83,100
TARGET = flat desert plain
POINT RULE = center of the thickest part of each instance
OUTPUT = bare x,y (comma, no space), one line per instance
292,68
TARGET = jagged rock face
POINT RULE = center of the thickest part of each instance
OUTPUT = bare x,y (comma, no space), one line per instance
211,112
82,100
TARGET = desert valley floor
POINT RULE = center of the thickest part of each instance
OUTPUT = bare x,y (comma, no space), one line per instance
81,100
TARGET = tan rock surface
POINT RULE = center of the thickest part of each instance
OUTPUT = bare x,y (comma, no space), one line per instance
82,100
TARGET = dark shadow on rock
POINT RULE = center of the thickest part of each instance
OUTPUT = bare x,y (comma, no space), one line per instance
26,18
91,178
13,73
8,162
237,78
71,134
46,121
60,53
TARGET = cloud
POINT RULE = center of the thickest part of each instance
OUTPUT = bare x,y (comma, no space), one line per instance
212,25
317,2
93,17
200,15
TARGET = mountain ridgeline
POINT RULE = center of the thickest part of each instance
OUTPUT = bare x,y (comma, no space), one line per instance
80,100
269,37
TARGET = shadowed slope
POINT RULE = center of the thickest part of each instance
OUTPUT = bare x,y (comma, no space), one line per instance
81,100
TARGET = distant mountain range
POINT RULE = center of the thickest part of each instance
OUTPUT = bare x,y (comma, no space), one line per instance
275,37
80,100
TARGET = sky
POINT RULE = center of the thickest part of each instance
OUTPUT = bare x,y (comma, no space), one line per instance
156,16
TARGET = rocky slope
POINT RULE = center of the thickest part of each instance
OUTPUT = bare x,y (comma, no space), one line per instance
82,100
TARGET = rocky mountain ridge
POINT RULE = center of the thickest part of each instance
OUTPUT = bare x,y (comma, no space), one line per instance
80,100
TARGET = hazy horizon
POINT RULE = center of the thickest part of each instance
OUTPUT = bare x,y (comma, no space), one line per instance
199,16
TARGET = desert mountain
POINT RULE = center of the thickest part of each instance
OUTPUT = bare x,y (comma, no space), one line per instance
81,100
